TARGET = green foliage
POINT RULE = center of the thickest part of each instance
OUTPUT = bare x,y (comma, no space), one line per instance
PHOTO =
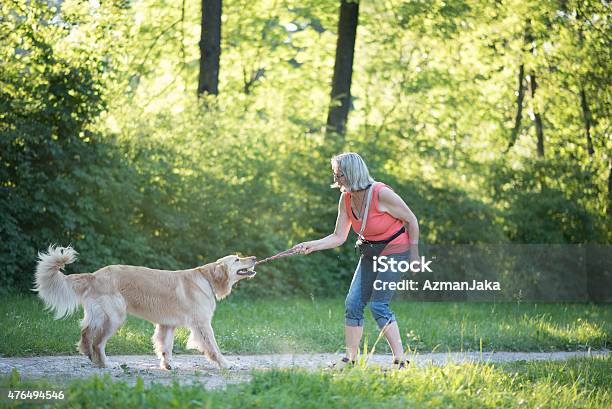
61,181
546,205
45,101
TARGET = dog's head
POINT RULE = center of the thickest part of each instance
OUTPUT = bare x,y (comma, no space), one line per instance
228,270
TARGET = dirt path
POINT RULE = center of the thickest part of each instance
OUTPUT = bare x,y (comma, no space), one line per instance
195,368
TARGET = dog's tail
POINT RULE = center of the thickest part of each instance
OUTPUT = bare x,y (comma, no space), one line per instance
52,285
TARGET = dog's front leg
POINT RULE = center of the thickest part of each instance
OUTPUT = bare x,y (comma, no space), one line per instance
163,339
203,338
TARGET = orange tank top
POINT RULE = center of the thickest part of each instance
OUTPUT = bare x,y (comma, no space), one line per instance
380,225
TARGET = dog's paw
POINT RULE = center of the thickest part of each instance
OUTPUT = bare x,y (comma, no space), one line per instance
226,364
166,366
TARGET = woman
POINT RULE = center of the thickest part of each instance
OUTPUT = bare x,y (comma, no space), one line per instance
391,229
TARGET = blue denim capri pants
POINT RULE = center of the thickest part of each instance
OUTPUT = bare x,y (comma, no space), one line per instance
362,292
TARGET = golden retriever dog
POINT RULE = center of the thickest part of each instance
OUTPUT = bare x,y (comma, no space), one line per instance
169,299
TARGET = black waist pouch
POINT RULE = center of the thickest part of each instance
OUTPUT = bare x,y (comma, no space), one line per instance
369,248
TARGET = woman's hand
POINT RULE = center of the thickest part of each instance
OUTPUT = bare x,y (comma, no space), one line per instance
304,248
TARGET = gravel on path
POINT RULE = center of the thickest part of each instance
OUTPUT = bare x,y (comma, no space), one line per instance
190,369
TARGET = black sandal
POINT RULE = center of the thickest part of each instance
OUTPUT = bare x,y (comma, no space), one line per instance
343,363
400,365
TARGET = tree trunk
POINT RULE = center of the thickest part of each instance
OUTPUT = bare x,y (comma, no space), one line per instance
532,87
519,107
586,115
609,207
343,72
210,47
537,117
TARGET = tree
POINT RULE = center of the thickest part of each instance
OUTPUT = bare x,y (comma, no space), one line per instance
519,106
343,71
537,117
584,105
609,205
531,78
210,47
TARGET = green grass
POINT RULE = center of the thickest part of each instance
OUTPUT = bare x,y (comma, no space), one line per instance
299,325
577,383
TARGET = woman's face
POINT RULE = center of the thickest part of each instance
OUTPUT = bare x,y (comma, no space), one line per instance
339,176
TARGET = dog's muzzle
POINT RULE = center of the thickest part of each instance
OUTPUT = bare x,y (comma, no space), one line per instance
248,272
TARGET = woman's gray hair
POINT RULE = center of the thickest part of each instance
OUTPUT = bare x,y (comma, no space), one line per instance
354,169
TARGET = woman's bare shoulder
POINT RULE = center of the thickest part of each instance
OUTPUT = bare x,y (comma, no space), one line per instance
387,195
383,189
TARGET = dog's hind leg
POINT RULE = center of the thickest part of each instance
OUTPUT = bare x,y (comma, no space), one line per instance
91,326
84,344
99,343
203,339
163,340
114,312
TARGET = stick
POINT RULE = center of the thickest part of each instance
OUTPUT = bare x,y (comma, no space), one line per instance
289,252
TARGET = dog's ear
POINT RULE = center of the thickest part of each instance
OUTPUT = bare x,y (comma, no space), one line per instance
221,280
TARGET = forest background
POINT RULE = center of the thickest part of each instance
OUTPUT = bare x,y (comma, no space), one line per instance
490,118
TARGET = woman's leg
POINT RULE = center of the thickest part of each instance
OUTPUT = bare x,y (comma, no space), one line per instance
386,319
353,313
382,313
352,338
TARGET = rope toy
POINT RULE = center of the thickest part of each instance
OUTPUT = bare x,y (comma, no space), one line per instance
286,253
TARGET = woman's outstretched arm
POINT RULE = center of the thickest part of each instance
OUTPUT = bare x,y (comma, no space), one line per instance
337,238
